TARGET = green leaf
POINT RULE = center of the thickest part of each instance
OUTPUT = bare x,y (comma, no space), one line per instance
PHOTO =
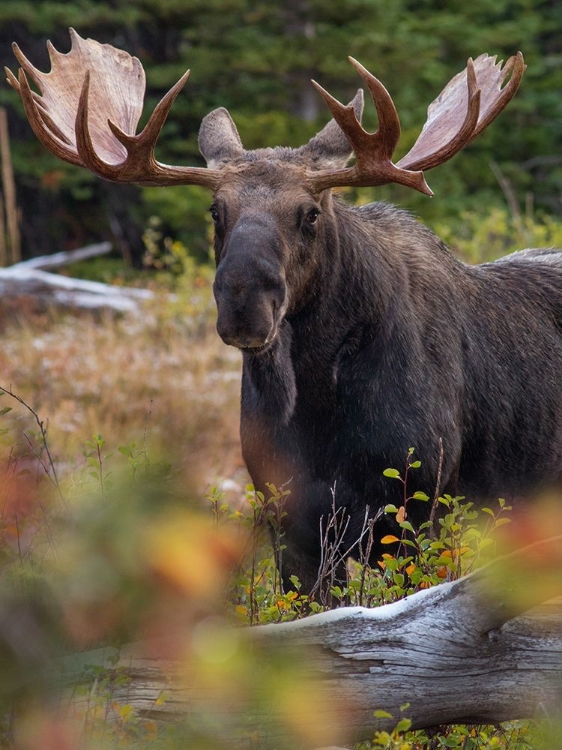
392,473
408,526
415,465
420,496
409,543
403,725
390,508
5,410
382,715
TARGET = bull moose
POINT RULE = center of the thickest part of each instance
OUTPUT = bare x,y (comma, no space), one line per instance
361,334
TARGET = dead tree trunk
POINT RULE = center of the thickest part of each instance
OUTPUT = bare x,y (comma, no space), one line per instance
11,225
476,650
30,278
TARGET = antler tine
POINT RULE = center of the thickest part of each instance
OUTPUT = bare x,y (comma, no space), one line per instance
90,81
344,115
35,75
153,127
388,133
12,80
14,83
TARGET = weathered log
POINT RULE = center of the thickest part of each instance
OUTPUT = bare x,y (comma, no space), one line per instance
65,257
476,650
29,278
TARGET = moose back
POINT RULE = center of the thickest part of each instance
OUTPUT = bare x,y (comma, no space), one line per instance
361,334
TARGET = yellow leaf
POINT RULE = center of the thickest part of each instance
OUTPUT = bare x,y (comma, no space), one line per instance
125,712
389,539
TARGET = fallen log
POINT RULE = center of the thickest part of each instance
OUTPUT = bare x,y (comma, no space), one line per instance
483,649
31,279
65,257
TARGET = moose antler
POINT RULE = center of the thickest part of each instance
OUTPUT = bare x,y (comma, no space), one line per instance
467,105
88,111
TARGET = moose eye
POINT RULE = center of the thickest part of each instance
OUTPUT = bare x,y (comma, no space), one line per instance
312,216
214,214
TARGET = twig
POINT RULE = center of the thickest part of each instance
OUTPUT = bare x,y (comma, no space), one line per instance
435,503
507,191
50,469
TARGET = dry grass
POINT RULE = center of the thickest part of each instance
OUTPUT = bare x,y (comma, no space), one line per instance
166,380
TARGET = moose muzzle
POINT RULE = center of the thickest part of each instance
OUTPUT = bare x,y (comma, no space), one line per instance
250,288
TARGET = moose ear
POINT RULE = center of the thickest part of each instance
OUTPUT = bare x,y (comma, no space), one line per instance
219,141
330,149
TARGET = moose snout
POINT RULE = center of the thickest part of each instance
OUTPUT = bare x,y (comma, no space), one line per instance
249,325
249,314
250,286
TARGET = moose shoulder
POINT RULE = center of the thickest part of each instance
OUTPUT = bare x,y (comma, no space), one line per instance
361,334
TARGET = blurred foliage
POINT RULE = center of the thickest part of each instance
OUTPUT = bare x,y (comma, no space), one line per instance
256,59
486,236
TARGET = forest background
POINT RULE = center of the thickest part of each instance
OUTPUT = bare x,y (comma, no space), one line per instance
257,59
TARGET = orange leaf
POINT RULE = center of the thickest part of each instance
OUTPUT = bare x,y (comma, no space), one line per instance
401,515
389,539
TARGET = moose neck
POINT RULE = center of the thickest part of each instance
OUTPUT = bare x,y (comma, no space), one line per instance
348,301
354,286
